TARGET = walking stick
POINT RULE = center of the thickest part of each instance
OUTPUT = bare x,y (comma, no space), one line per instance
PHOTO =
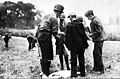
39,50
40,57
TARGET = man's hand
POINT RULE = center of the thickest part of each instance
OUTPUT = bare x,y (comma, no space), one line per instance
39,57
57,36
61,33
90,34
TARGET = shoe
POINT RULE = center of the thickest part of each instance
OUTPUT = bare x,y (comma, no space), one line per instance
100,71
94,68
44,76
97,71
92,71
82,75
73,77
68,68
62,68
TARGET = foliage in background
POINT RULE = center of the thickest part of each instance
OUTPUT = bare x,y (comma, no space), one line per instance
24,33
113,36
17,14
16,32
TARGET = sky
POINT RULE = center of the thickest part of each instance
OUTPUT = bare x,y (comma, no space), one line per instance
102,8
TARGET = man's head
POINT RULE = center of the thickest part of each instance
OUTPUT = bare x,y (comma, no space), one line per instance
72,16
89,14
62,16
80,18
58,9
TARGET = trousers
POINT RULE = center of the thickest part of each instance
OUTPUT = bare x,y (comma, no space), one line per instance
97,56
77,53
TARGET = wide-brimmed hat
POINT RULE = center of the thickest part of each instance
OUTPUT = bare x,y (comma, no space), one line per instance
58,8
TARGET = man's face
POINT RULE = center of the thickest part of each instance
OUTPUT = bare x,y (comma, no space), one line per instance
57,13
89,17
72,18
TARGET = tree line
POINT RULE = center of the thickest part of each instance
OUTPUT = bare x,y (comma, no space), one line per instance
19,15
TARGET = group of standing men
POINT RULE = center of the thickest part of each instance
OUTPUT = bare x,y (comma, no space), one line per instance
73,36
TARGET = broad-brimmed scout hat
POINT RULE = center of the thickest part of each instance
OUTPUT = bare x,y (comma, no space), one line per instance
58,8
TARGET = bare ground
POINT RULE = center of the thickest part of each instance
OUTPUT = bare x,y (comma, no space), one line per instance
18,62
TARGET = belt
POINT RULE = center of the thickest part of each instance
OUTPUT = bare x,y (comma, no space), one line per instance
44,30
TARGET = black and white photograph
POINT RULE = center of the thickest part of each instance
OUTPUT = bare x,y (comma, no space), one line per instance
59,39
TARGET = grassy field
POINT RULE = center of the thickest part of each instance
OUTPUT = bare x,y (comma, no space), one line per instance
18,62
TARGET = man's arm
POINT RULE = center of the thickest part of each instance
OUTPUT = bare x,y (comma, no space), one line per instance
54,26
97,27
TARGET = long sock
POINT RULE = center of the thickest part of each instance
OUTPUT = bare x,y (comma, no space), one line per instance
61,61
67,64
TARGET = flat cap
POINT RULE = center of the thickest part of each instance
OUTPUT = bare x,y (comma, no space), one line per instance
80,18
62,16
72,14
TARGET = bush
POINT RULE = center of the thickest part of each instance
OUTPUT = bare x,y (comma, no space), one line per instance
113,36
24,33
16,32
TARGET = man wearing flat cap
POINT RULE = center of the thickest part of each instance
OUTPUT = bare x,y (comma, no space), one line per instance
98,36
72,16
80,18
76,42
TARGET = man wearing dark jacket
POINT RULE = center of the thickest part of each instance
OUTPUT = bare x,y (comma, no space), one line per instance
76,42
98,36
44,36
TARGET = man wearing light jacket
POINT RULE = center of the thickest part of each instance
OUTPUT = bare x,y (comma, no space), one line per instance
98,36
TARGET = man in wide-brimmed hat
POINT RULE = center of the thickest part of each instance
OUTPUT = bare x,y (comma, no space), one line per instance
48,27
